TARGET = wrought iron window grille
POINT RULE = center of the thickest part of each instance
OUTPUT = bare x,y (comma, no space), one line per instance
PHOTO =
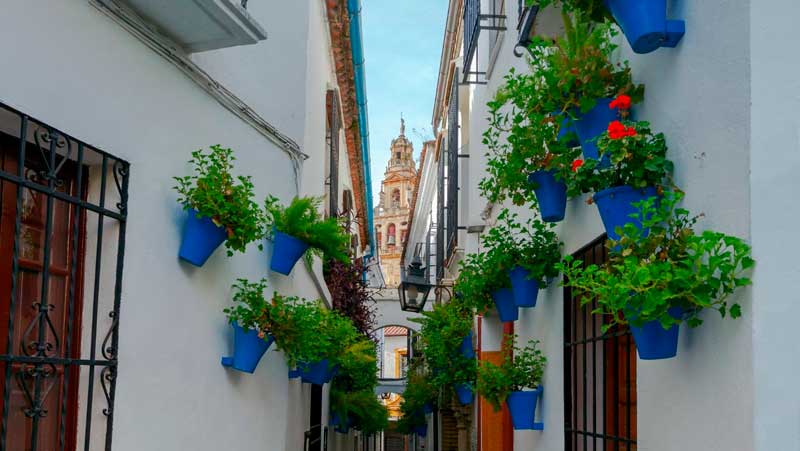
599,373
474,22
62,200
332,138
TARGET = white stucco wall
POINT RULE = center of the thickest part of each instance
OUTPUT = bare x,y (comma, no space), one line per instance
699,95
81,72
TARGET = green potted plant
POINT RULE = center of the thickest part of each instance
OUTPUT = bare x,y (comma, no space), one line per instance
637,169
482,283
644,22
655,282
527,252
578,79
529,151
220,207
298,227
522,369
251,337
358,409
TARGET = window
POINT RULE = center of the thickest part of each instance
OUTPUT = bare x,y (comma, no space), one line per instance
391,240
497,9
396,198
599,374
64,207
332,137
347,202
490,18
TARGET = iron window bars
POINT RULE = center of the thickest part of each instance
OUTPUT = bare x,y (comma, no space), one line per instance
334,124
55,192
447,194
474,22
599,374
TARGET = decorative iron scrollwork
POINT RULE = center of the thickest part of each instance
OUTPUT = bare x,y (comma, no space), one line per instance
27,379
109,352
51,140
33,346
120,171
107,377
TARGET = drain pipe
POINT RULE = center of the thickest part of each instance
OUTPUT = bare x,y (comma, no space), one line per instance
357,46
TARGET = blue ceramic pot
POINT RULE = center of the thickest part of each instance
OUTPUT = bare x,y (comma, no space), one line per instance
427,409
653,342
593,124
566,129
525,290
201,237
342,427
645,24
286,250
464,394
616,207
248,349
551,195
422,430
317,373
466,347
522,407
506,308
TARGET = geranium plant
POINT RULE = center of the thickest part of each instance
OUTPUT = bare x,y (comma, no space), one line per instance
250,308
630,155
301,219
576,70
214,192
532,245
669,275
521,368
522,138
594,9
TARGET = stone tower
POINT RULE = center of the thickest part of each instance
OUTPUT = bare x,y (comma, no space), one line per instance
392,212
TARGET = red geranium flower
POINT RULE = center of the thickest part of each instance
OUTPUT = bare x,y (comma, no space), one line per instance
576,164
623,102
616,130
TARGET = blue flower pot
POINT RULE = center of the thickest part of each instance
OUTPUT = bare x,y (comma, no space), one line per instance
247,349
566,129
342,427
525,290
551,195
427,409
592,124
616,207
466,347
653,342
422,430
506,308
295,373
286,250
201,237
645,24
464,394
317,373
522,407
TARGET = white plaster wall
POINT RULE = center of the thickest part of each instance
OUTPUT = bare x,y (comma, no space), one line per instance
699,96
81,72
775,162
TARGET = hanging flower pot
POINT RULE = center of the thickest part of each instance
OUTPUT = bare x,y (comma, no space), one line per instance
286,250
525,290
317,373
506,308
550,193
339,425
616,207
248,348
464,394
427,408
421,430
592,124
522,407
645,24
201,237
653,342
466,347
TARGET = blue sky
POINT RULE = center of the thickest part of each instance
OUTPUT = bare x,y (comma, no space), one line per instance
402,46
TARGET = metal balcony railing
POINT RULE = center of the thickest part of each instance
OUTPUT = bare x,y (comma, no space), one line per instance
475,21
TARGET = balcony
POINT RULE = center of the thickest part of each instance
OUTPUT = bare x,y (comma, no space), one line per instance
199,25
474,22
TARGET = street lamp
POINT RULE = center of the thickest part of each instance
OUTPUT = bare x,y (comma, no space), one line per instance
414,286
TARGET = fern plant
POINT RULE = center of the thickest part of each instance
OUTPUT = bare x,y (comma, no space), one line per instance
302,220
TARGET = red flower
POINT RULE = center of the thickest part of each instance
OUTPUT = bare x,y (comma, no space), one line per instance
576,164
616,130
622,102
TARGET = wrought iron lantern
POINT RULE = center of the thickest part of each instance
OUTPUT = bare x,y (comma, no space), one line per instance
414,286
